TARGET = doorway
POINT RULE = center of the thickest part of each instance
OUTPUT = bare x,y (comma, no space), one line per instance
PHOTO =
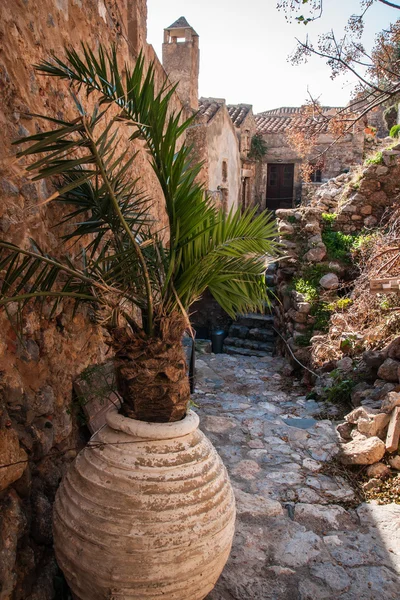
280,179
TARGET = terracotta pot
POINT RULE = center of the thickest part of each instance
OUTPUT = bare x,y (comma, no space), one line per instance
146,511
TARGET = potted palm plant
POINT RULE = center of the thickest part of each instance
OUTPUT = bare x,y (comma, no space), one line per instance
146,510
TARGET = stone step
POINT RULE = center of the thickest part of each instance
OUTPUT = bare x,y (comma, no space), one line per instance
261,334
264,334
249,344
253,320
245,351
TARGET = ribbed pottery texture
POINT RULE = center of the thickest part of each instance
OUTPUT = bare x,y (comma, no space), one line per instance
145,512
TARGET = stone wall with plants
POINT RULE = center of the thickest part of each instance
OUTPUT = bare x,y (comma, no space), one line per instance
323,243
39,433
346,337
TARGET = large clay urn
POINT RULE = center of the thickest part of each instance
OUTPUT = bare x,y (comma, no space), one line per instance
146,512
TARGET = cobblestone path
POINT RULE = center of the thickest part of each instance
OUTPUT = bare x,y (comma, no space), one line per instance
295,539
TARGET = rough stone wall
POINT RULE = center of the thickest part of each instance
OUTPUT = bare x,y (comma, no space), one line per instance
196,136
357,202
376,119
181,61
37,372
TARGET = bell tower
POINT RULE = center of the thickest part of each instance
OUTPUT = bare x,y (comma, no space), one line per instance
181,57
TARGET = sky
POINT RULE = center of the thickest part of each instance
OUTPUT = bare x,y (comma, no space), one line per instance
244,46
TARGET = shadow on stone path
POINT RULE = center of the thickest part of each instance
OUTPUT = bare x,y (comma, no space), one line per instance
294,541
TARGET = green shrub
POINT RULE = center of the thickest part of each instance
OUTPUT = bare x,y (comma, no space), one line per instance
377,159
340,391
303,340
363,240
308,289
329,218
340,304
322,314
338,245
395,131
258,147
308,283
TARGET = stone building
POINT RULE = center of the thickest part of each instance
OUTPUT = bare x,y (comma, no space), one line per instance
245,126
181,60
213,135
220,152
279,184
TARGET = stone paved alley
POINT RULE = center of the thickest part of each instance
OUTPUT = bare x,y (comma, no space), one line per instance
295,538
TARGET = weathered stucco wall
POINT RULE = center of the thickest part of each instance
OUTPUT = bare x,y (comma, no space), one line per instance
222,146
37,372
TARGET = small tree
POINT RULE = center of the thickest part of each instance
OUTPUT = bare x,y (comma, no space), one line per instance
125,265
377,72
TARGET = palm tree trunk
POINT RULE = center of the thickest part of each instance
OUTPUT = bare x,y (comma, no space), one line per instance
152,375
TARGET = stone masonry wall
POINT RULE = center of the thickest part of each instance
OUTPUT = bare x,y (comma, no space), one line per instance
350,203
37,371
336,159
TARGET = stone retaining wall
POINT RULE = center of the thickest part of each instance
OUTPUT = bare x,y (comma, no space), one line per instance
350,203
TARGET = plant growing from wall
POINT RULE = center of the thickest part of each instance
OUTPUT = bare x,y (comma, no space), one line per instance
126,267
395,131
376,159
258,147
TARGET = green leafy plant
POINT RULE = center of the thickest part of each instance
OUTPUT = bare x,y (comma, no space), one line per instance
377,159
338,245
258,147
309,290
308,283
321,313
340,304
352,344
303,340
126,266
329,218
341,389
363,241
395,131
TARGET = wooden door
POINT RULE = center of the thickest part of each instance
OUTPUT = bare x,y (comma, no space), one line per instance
280,178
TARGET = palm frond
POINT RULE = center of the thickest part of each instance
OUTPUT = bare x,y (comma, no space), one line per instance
126,261
229,253
34,275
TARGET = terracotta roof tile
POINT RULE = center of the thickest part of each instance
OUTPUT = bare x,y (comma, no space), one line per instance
279,119
238,112
210,106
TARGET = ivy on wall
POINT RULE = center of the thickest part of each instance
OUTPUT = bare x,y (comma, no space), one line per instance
258,147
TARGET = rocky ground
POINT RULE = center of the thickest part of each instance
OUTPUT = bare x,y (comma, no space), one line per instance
296,537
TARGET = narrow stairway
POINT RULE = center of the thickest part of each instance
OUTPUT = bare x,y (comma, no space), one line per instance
252,334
